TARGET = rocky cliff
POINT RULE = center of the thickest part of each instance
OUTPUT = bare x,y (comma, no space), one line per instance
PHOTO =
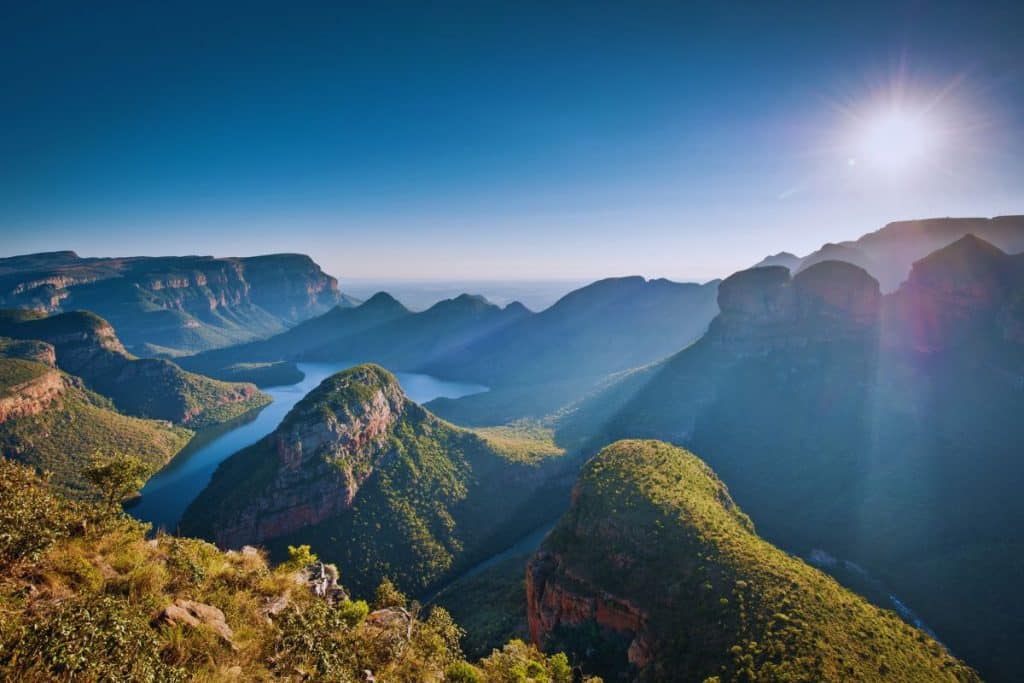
31,393
175,304
87,346
655,574
764,308
375,483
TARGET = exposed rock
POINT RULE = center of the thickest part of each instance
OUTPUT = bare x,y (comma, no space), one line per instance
33,396
551,603
162,302
322,581
196,615
324,452
83,344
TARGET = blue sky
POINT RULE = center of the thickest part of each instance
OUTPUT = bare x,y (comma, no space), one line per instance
489,140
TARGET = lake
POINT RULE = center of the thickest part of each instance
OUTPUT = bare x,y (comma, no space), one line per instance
166,495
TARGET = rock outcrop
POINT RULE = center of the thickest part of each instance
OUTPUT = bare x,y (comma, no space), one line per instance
32,396
764,308
197,615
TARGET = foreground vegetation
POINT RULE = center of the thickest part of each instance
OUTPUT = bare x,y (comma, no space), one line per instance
85,595
440,498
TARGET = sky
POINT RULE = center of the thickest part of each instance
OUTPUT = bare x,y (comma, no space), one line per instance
504,141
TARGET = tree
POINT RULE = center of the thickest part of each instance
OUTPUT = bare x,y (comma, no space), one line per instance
116,477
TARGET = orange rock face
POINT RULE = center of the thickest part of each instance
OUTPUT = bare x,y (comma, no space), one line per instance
551,602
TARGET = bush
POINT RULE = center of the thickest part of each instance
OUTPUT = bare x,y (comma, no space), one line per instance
96,638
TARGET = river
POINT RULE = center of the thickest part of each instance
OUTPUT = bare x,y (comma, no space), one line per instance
166,495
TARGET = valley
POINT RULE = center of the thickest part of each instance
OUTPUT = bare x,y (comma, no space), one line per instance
546,469
168,492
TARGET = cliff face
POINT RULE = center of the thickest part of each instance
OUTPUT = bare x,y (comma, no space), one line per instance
323,457
375,483
32,395
655,574
175,304
87,346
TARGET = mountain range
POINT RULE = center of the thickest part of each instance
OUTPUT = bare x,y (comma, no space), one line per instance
858,407
174,305
888,253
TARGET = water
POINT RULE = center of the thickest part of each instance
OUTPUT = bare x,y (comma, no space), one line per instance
166,495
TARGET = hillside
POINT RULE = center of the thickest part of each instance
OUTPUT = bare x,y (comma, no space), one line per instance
174,305
88,347
49,420
378,485
84,595
889,253
655,572
890,422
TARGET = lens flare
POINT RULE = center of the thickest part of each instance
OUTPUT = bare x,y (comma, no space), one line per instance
896,140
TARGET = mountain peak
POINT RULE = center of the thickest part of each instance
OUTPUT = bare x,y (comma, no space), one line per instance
968,259
382,303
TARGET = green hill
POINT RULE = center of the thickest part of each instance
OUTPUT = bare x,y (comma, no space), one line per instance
657,573
50,421
378,485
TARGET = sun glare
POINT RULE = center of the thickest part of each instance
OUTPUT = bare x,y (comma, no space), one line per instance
895,141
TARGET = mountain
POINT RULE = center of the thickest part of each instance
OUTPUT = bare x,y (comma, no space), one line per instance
891,423
888,254
49,420
87,596
378,485
87,346
654,572
548,359
174,305
533,362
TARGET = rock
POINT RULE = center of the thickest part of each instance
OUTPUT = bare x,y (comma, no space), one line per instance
551,603
196,615
322,581
326,448
32,396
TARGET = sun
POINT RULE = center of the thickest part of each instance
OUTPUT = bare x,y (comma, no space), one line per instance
895,140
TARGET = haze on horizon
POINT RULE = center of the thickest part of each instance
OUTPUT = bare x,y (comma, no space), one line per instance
516,142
